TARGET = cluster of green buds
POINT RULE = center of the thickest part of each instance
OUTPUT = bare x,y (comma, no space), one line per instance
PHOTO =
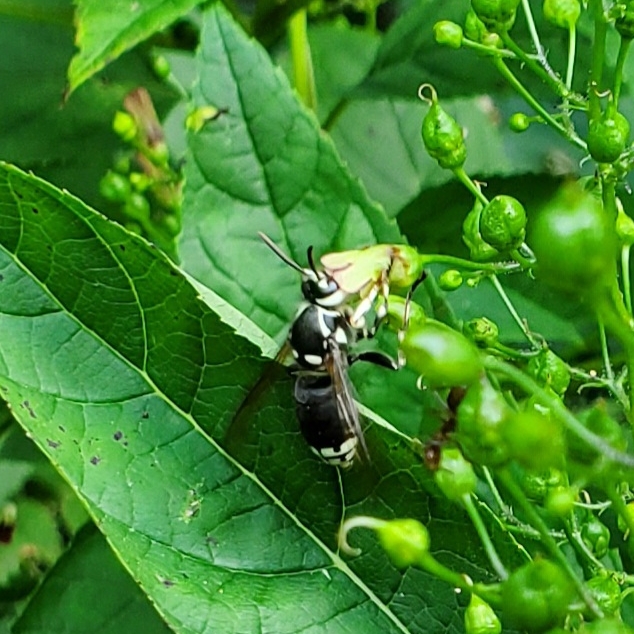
142,182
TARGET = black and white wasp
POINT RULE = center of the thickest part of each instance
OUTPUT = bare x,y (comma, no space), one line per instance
320,340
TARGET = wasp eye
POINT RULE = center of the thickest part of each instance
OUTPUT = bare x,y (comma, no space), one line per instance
316,289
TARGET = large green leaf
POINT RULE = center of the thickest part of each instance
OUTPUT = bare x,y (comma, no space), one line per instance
263,165
108,28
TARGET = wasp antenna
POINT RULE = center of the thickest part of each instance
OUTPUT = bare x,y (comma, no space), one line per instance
280,254
309,254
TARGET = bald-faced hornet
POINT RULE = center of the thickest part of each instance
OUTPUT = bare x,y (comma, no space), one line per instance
320,339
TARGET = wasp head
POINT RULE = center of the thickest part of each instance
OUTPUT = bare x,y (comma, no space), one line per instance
317,286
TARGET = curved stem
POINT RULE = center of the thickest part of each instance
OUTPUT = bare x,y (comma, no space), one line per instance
464,178
546,538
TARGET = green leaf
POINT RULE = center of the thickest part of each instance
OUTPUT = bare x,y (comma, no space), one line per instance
106,601
263,165
115,366
108,28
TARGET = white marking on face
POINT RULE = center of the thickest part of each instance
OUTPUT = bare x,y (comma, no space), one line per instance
313,359
334,299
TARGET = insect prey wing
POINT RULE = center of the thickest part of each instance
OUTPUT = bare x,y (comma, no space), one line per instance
337,367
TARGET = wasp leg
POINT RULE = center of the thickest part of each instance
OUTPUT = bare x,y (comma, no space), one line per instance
376,357
406,315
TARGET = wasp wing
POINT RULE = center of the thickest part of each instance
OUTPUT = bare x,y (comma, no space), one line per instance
237,430
336,363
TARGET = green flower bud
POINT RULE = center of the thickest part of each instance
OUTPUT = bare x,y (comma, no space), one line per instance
441,355
480,618
479,250
535,440
538,485
574,242
606,592
161,67
442,136
115,187
405,541
140,181
551,371
600,423
474,29
448,33
124,126
560,501
537,596
496,15
483,332
519,122
629,511
482,417
608,137
625,22
455,476
596,536
562,13
503,223
450,280
137,207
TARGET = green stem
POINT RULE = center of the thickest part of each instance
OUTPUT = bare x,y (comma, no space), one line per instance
303,76
504,70
468,265
485,538
611,310
546,538
487,50
608,196
551,79
605,353
625,277
509,306
464,178
598,57
571,526
618,71
572,51
554,404
541,55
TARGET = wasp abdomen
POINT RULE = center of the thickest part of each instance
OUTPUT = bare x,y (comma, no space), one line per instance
320,421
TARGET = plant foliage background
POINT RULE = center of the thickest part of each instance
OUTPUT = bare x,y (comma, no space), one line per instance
142,508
